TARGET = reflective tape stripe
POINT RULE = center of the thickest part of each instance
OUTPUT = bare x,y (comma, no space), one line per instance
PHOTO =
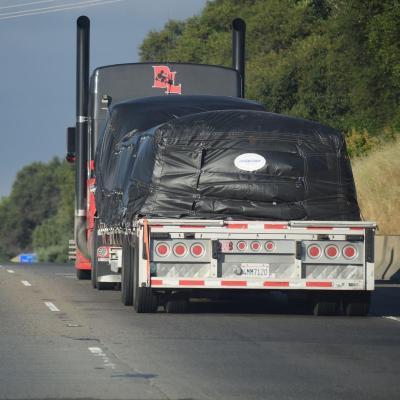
237,226
275,226
191,282
319,284
276,284
233,283
81,119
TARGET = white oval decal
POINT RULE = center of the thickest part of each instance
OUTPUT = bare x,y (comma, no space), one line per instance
249,162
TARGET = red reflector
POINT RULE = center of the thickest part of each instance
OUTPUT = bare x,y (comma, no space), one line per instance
242,246
180,250
162,249
237,226
349,251
191,282
255,246
233,283
156,281
314,251
276,284
319,284
331,251
197,250
275,226
269,246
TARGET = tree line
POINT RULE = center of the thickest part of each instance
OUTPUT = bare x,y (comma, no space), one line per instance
38,213
333,61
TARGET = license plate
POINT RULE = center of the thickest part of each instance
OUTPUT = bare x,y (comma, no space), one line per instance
252,269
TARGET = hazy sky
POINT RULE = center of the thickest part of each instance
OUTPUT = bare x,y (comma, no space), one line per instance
37,66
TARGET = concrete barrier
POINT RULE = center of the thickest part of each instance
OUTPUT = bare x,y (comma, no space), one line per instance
387,258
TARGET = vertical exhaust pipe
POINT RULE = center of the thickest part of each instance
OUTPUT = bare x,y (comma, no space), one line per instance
82,108
238,49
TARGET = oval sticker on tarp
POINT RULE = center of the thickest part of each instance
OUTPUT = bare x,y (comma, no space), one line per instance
250,162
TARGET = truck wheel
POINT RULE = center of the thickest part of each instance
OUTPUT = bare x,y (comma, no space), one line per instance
94,255
83,274
177,306
326,304
93,275
144,300
127,275
357,304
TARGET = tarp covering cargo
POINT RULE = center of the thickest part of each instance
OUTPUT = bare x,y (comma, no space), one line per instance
236,162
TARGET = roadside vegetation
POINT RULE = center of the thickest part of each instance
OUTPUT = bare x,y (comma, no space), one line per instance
333,61
377,179
38,214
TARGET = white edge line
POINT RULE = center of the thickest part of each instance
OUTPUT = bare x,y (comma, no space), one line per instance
51,306
392,318
26,283
11,271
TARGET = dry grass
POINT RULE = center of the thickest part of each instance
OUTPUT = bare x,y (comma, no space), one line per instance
377,179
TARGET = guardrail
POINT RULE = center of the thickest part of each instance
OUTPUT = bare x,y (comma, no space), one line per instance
387,258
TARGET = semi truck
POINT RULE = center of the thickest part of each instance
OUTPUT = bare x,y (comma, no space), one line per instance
186,189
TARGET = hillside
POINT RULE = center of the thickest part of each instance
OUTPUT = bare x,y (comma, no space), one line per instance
378,187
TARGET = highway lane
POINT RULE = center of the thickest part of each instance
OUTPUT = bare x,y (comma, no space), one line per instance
59,338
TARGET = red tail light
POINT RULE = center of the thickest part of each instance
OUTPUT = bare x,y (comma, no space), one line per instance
242,246
162,249
255,246
197,250
331,251
180,250
270,246
349,252
314,251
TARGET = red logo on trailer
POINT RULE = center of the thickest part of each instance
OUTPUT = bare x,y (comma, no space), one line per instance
165,79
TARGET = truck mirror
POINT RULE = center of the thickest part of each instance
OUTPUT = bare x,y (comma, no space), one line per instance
71,145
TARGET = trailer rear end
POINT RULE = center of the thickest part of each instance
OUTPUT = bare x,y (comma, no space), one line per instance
175,260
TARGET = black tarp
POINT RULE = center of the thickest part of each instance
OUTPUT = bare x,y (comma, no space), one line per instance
177,159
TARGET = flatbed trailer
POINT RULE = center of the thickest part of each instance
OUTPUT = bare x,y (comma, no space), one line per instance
175,259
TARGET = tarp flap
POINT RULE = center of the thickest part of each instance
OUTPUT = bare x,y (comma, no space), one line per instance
239,163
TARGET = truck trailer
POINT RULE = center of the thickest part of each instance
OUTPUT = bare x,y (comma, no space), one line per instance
185,189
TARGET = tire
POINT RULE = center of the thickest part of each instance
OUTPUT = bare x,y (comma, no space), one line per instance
83,274
326,304
177,306
127,273
144,300
357,304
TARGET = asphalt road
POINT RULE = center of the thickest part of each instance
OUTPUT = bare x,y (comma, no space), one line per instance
59,338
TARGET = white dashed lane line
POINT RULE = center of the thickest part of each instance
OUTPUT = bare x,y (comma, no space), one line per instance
11,271
26,283
51,306
393,318
97,351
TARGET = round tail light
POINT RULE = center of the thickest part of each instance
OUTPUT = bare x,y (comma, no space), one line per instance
255,246
162,249
180,250
331,251
197,250
241,246
349,252
270,246
314,251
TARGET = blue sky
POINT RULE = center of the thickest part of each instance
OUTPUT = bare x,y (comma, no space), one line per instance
37,67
